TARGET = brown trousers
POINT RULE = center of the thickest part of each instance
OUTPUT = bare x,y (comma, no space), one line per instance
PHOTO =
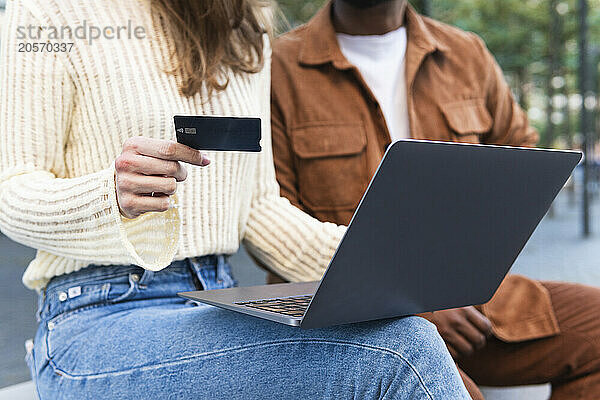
570,361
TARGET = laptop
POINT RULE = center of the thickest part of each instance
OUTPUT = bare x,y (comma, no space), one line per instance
438,227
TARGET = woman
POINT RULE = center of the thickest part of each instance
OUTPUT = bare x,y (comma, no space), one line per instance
92,178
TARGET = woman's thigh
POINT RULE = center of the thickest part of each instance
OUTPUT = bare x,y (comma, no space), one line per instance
167,348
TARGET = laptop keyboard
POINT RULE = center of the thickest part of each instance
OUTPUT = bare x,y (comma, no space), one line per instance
292,306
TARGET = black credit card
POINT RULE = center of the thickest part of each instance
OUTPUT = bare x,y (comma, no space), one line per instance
218,133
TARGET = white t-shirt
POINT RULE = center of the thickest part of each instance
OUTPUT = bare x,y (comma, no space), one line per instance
380,60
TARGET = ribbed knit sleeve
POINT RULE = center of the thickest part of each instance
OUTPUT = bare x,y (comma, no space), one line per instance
295,245
75,217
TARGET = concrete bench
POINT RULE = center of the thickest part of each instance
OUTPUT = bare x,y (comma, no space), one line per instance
26,391
537,392
21,391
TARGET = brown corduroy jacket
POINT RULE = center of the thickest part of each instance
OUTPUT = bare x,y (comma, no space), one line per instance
329,133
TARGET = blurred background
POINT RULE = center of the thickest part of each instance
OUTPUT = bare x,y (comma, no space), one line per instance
550,53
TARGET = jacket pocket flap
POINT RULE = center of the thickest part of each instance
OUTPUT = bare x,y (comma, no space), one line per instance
328,140
467,117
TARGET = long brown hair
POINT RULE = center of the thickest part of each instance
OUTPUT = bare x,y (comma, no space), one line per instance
212,37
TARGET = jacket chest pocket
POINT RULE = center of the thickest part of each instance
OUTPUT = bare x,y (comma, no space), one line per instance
331,164
468,119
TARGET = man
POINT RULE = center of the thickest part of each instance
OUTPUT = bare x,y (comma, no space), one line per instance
362,73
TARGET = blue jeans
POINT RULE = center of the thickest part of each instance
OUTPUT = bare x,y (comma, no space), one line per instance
120,332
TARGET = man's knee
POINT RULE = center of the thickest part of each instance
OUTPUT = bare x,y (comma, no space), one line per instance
577,309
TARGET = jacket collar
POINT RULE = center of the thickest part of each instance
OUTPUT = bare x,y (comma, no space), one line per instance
321,46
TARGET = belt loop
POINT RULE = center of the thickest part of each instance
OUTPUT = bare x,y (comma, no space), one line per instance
206,270
193,264
188,262
146,278
220,266
195,267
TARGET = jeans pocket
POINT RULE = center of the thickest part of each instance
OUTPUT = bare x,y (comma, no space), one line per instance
61,303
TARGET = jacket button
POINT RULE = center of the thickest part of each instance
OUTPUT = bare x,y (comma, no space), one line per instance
62,296
50,326
135,277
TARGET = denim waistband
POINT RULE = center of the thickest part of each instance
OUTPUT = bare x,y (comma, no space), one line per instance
98,284
98,272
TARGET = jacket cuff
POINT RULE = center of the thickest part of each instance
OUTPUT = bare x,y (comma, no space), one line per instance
150,240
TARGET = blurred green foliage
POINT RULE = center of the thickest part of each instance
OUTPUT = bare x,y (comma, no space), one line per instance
298,11
519,34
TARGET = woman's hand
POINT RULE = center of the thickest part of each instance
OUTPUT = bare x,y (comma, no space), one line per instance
147,172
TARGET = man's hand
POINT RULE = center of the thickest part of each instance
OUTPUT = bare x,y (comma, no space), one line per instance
463,329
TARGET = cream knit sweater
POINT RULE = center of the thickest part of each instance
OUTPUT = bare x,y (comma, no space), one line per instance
63,119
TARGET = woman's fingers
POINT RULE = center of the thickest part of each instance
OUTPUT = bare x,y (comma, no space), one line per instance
144,184
133,205
139,194
165,150
140,164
